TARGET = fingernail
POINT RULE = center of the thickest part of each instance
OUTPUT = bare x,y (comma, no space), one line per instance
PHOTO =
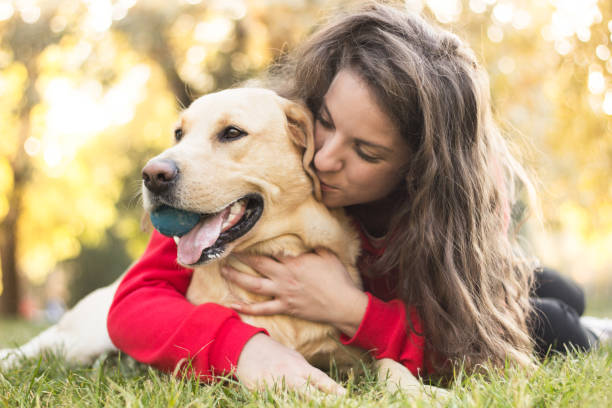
235,306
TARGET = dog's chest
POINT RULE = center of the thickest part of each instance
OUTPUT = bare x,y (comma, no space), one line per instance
309,338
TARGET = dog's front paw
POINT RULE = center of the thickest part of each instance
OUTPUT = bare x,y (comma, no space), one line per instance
8,359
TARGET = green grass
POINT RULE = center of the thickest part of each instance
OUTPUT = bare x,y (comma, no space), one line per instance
15,331
579,380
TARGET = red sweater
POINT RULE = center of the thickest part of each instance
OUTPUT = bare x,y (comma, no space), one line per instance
151,320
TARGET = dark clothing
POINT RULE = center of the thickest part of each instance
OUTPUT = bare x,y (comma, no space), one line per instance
558,303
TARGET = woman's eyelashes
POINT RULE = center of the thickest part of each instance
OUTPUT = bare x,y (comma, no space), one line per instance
324,122
365,156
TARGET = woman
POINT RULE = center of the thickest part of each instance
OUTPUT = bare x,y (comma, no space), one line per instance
405,141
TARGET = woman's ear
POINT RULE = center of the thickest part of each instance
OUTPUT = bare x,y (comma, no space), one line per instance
301,132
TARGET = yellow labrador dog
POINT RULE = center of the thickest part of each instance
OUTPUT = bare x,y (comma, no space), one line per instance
242,161
238,162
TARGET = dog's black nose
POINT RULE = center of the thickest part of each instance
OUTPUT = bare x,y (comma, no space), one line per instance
158,175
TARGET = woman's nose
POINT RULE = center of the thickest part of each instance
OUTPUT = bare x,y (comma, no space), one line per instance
328,158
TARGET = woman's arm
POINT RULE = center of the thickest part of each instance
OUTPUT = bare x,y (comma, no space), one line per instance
317,287
151,320
384,331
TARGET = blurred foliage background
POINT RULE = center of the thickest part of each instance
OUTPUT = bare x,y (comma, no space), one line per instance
90,89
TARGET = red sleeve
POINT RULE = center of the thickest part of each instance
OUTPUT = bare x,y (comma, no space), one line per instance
383,332
151,320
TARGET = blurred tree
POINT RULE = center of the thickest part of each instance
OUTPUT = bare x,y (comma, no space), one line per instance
63,184
26,42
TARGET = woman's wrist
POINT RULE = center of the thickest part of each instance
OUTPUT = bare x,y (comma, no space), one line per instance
354,310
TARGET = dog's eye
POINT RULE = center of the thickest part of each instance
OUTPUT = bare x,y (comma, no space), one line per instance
231,133
178,134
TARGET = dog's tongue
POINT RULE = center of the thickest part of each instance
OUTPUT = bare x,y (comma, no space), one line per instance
202,236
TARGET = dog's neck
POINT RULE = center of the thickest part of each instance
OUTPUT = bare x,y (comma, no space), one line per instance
309,224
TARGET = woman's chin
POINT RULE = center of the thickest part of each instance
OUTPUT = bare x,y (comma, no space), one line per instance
332,200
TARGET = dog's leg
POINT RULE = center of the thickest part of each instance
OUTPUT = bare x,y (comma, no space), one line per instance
80,335
398,378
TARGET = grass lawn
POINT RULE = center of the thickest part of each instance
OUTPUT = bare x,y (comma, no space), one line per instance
581,380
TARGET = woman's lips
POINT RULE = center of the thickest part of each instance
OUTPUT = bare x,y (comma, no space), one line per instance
327,187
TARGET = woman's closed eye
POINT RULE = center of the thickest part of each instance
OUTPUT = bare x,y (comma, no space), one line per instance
324,122
365,155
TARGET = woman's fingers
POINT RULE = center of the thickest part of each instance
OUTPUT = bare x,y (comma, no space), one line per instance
318,382
306,383
254,284
270,307
324,383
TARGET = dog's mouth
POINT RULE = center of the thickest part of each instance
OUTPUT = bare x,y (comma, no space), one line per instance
208,239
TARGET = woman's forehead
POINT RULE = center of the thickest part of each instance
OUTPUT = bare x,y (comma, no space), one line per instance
354,109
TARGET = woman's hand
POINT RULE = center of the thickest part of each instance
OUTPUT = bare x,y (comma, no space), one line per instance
313,286
264,362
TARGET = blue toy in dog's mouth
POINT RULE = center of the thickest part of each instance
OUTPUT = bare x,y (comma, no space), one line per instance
173,222
203,237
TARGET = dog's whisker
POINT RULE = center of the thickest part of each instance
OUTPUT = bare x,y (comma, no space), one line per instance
136,199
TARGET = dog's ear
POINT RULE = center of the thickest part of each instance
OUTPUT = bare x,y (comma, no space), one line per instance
301,132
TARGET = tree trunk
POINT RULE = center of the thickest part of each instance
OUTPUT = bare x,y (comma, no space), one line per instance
10,296
9,299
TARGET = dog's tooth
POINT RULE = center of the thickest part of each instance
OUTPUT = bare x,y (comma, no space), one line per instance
235,208
176,239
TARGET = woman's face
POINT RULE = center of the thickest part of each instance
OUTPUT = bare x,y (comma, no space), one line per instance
359,150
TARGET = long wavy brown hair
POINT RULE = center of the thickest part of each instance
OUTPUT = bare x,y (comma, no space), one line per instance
458,261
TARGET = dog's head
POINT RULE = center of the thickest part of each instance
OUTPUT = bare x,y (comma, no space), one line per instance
241,156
